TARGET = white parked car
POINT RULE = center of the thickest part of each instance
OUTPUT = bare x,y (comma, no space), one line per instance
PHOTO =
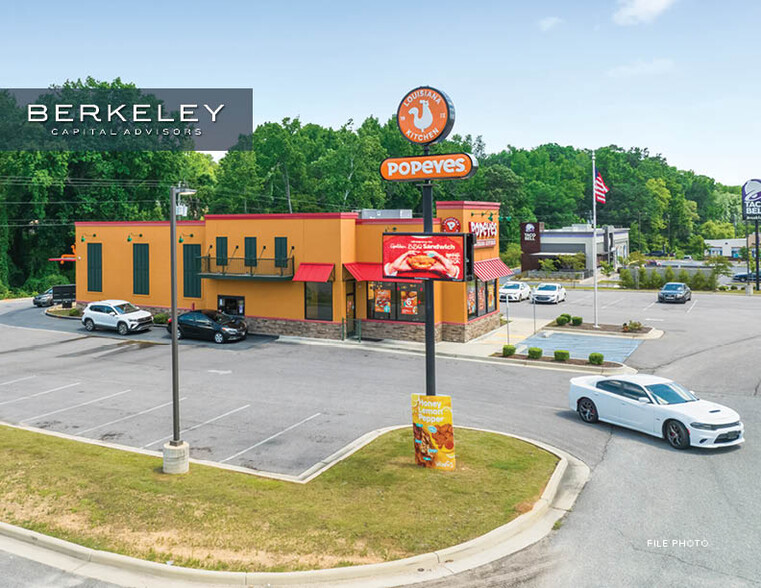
514,292
656,406
548,292
119,315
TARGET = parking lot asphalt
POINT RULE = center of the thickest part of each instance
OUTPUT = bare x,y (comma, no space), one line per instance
282,407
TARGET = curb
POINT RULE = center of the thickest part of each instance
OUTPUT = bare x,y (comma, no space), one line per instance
558,497
70,318
652,334
587,369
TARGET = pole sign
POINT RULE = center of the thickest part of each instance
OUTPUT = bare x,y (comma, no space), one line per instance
425,115
751,200
433,431
446,257
451,166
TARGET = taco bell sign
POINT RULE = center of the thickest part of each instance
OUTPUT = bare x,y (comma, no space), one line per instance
751,200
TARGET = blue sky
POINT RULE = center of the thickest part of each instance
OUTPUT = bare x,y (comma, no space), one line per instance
676,76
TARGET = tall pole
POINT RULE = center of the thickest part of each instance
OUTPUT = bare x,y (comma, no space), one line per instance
594,234
507,312
430,328
756,238
175,363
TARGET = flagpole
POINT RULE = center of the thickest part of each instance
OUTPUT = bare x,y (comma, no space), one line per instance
594,234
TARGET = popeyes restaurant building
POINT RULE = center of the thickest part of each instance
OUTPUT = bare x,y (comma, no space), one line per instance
312,275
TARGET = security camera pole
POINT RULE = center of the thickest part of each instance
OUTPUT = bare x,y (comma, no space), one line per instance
176,451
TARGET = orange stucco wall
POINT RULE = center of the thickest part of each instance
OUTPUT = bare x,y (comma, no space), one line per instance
312,238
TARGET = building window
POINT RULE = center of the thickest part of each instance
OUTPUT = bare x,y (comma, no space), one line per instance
249,247
481,297
396,301
141,269
95,267
191,267
318,301
221,250
491,292
281,251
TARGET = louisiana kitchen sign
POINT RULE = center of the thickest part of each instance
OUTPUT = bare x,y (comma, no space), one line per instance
451,166
425,115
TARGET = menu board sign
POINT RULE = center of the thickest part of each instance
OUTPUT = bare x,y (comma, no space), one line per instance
433,431
445,257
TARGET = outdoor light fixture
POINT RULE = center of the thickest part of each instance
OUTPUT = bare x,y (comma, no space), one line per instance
138,235
176,452
83,239
181,240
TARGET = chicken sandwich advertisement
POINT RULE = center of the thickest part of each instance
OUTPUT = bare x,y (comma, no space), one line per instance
425,256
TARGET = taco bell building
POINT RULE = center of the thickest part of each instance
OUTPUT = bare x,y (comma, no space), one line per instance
538,243
313,275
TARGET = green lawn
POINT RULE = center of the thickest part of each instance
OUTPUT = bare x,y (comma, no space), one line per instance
375,506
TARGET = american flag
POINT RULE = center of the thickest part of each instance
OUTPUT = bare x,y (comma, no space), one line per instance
600,189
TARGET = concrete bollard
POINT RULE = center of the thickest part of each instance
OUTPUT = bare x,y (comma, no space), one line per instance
749,289
176,458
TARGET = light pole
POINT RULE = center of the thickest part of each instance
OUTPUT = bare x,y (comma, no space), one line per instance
176,451
507,312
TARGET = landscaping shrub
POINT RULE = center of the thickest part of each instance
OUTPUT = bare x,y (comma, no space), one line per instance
576,321
75,312
562,355
596,358
683,276
160,318
562,320
669,275
626,278
698,281
633,326
652,280
534,353
566,315
508,350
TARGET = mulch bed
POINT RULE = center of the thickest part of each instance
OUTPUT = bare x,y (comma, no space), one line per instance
551,359
603,328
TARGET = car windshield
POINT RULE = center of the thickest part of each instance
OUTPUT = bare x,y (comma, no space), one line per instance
511,286
670,393
125,308
219,317
672,287
545,287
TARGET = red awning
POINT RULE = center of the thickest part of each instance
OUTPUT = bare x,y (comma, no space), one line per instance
370,272
491,269
313,272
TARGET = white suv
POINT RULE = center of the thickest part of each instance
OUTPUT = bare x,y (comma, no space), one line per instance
116,314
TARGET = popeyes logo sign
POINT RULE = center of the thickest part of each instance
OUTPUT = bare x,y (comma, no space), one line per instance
485,232
425,115
450,166
450,225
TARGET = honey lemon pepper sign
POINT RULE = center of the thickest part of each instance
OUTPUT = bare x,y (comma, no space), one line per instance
425,115
433,431
450,166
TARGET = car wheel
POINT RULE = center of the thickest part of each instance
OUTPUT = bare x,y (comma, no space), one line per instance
89,325
677,435
219,338
587,411
122,328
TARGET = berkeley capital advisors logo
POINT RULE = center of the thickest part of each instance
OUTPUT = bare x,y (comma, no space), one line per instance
131,119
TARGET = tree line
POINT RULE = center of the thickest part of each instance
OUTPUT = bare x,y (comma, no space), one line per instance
293,166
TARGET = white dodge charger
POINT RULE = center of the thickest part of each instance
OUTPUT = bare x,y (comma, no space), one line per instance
656,406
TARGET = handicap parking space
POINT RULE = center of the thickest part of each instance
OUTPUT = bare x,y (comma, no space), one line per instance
580,346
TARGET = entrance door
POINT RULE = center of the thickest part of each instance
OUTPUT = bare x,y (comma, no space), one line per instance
350,308
234,305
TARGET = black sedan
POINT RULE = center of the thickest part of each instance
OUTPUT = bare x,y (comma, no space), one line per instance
675,292
745,277
211,325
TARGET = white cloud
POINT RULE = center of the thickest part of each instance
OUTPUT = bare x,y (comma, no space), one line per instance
632,12
549,23
642,68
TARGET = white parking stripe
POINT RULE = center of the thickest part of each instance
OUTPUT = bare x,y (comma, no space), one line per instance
39,416
142,412
648,306
39,393
194,427
19,380
691,307
271,437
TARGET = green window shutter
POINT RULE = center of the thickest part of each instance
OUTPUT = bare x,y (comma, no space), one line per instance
191,268
281,251
250,251
221,250
141,268
95,267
